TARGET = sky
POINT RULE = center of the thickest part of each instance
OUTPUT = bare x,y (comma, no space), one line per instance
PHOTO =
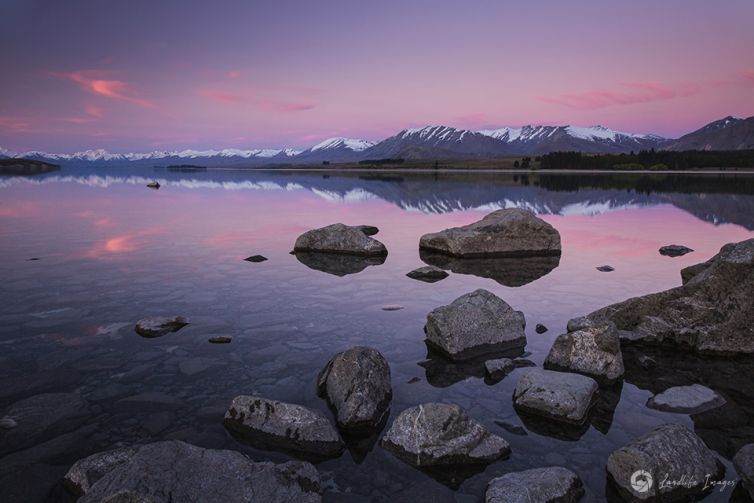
172,74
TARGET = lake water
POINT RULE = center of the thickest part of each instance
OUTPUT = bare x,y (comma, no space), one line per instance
112,251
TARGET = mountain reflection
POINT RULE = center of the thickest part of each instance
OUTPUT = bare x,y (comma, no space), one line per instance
719,198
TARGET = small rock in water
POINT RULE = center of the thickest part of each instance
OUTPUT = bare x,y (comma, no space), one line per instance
369,230
605,268
392,307
220,339
675,250
686,399
32,259
428,274
153,185
538,485
743,461
498,368
561,396
157,326
8,423
593,351
540,329
256,258
413,380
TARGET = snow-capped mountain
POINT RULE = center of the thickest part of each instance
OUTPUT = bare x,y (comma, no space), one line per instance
436,142
353,144
730,133
335,150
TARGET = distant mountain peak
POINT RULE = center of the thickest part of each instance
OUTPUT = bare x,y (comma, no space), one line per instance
355,144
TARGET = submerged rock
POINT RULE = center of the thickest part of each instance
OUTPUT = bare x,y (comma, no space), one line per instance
221,339
508,232
338,264
36,419
499,368
508,271
555,395
592,351
554,484
157,326
256,258
339,239
171,471
435,434
278,425
675,250
691,399
670,452
710,313
428,274
475,323
357,384
743,461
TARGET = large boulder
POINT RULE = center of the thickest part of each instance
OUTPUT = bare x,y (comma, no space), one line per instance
709,313
339,239
692,399
474,324
554,484
157,326
511,232
166,472
357,384
555,395
269,424
592,351
437,434
743,461
670,463
40,417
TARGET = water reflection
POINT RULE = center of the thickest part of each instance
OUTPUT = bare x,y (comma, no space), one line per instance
508,271
337,264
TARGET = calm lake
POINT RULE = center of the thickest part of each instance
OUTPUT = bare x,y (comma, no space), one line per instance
111,251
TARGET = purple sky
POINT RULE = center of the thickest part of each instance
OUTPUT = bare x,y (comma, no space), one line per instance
142,75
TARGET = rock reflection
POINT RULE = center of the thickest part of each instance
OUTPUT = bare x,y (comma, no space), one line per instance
508,271
724,429
336,264
442,372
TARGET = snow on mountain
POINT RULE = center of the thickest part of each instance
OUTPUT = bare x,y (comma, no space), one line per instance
353,144
531,133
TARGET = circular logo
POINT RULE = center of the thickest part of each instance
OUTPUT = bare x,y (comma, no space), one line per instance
641,481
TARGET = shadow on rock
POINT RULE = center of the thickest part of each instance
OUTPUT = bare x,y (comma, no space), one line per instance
442,372
338,264
508,271
725,429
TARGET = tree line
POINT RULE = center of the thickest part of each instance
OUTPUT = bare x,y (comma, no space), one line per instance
654,160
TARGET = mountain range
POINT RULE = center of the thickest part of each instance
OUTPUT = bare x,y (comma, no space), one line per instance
436,142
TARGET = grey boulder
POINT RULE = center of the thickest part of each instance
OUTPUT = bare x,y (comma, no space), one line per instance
675,250
166,472
508,232
743,461
691,399
670,453
560,396
439,434
475,323
357,384
553,484
709,313
269,424
339,239
428,274
592,351
157,326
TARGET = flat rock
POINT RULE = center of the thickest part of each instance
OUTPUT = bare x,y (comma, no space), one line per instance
157,326
256,258
339,239
436,434
356,383
508,232
709,313
428,274
498,368
605,268
7,423
691,399
675,250
474,324
592,351
670,452
561,396
220,339
392,307
743,461
278,425
41,417
171,471
553,484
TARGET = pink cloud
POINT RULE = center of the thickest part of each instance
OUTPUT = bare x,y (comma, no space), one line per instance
234,75
630,93
100,83
255,99
748,77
